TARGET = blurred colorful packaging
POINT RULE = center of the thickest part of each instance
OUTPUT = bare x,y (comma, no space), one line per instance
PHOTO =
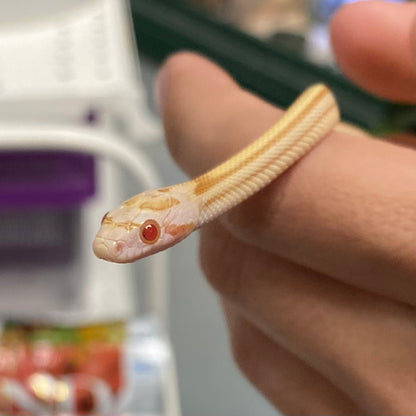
102,369
74,336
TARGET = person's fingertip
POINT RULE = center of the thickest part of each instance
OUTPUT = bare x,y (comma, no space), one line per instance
160,84
195,97
412,38
162,76
370,40
336,27
176,86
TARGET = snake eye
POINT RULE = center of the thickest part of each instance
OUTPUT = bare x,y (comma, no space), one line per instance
150,232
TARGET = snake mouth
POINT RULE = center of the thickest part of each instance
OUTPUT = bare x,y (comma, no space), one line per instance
100,249
109,250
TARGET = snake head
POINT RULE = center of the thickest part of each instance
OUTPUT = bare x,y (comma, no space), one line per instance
145,224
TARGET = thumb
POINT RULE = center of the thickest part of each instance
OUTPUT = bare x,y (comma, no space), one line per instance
374,44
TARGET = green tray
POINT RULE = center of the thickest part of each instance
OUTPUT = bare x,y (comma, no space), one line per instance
163,26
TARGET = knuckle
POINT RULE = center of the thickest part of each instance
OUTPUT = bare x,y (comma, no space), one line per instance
182,61
242,350
396,398
242,356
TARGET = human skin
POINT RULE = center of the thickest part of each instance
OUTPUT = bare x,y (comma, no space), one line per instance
316,273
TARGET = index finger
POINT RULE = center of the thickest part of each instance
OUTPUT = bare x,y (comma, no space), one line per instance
345,210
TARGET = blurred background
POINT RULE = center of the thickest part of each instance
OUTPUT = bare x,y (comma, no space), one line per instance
79,133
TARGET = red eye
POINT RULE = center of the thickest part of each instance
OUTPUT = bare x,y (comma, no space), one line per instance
150,232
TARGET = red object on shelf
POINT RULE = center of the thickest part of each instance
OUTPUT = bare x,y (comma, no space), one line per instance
59,378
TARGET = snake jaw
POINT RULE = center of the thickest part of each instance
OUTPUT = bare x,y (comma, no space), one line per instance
133,248
107,249
100,248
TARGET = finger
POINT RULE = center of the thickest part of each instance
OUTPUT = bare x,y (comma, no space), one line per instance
346,209
281,376
374,44
362,343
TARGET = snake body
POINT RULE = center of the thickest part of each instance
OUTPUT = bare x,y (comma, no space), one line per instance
155,220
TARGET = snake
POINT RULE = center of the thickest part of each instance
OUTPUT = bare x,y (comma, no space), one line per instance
155,220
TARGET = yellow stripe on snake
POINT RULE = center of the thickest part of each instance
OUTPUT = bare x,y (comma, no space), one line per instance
155,220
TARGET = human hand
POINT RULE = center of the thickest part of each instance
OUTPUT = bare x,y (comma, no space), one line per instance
316,272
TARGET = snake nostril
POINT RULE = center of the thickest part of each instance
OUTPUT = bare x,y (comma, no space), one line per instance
119,246
104,217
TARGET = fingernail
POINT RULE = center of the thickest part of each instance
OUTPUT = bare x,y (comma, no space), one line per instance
160,87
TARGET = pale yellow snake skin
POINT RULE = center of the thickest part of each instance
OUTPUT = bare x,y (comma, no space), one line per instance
154,220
